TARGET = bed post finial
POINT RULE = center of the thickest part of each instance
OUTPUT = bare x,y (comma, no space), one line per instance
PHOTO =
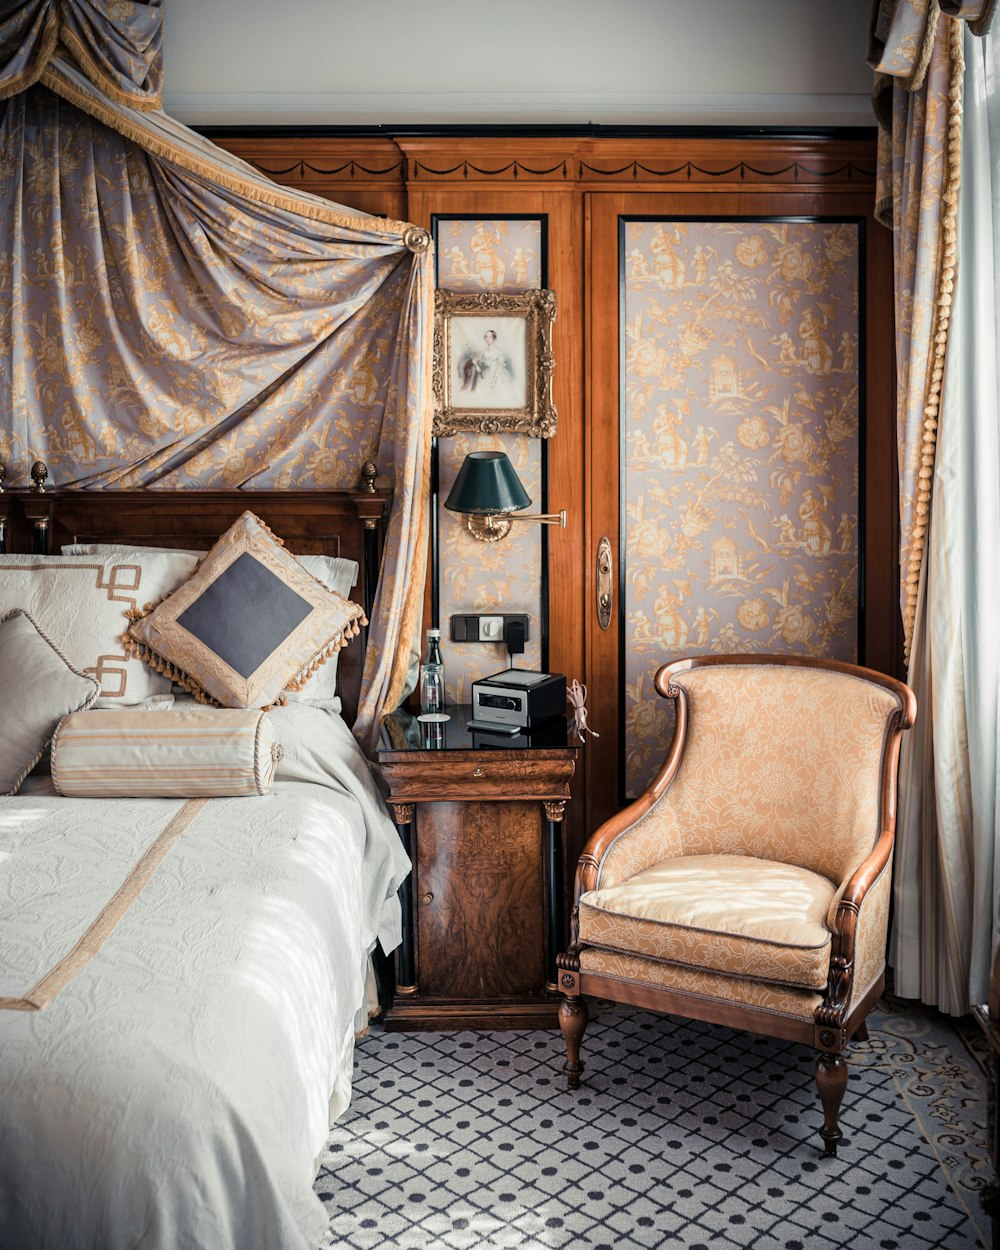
39,473
368,476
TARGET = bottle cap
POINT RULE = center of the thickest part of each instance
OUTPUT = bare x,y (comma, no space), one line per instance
433,633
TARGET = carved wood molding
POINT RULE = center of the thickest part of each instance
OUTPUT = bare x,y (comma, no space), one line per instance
573,163
742,171
472,168
349,169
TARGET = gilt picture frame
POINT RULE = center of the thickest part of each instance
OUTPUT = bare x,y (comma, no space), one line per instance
492,363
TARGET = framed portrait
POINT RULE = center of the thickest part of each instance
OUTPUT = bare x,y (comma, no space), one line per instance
492,364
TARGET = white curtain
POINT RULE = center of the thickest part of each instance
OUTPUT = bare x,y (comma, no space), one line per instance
947,911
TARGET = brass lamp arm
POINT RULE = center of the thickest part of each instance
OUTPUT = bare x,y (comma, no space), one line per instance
543,518
490,527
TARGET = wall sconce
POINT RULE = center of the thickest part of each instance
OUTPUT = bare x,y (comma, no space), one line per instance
488,490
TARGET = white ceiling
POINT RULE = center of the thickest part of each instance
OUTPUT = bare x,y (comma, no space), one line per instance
617,62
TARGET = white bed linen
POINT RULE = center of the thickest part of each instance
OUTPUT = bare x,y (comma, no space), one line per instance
178,1090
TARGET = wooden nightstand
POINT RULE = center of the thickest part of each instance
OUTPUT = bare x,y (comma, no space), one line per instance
481,817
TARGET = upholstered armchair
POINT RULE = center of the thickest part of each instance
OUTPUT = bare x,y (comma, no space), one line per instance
749,886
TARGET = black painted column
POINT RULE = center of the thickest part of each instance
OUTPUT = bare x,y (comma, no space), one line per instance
555,912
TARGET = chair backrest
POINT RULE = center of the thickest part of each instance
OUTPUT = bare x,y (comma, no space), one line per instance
787,761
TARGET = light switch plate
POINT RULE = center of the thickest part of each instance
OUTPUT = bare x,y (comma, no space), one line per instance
486,626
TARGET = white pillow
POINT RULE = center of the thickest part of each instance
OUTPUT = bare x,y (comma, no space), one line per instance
39,691
336,574
80,602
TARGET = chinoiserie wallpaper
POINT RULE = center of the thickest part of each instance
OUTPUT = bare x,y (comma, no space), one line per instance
740,450
496,255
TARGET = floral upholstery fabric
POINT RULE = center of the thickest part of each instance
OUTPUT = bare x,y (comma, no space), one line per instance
780,763
632,969
723,913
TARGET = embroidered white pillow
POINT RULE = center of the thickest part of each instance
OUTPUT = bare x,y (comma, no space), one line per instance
81,602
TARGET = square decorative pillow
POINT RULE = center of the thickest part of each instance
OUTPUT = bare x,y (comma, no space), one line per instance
81,603
248,625
334,572
40,689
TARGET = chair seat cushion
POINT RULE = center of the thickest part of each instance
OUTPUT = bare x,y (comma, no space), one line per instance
733,914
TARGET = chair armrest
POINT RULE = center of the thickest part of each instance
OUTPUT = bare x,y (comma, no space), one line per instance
862,880
859,932
601,840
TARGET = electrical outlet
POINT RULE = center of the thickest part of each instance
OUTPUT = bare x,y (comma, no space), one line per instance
491,629
483,627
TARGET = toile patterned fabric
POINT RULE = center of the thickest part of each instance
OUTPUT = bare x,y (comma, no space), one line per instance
119,46
474,255
946,923
917,56
780,763
735,914
248,624
800,1004
741,448
169,318
938,195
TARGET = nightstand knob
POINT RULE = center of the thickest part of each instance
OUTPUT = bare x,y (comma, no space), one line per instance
428,898
478,772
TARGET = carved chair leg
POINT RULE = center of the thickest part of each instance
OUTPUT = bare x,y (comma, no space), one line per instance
831,1080
861,1032
572,1021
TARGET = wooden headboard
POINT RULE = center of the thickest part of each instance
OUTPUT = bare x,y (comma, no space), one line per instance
350,524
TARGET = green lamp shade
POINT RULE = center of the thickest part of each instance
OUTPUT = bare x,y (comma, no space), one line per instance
487,483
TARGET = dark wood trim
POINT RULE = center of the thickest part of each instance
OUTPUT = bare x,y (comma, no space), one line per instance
425,1015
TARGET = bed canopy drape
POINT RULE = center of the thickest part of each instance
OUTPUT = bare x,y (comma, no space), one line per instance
170,318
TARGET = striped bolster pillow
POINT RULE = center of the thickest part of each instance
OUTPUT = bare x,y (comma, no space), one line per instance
181,753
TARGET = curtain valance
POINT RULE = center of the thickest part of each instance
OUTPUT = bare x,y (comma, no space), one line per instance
118,46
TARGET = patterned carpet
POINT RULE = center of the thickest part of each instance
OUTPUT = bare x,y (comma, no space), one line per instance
682,1134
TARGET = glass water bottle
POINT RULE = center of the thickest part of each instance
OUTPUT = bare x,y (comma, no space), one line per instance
432,676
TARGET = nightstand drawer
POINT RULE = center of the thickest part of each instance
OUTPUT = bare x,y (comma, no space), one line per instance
478,775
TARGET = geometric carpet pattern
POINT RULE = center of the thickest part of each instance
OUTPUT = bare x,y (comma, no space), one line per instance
682,1134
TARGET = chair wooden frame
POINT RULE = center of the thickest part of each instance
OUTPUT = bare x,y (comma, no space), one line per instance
839,1018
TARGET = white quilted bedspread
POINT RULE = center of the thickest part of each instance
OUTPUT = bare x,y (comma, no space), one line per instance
177,1091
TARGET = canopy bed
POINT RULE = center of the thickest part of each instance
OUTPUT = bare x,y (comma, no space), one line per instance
178,1085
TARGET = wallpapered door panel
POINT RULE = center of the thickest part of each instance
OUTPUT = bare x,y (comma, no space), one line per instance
740,450
497,255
